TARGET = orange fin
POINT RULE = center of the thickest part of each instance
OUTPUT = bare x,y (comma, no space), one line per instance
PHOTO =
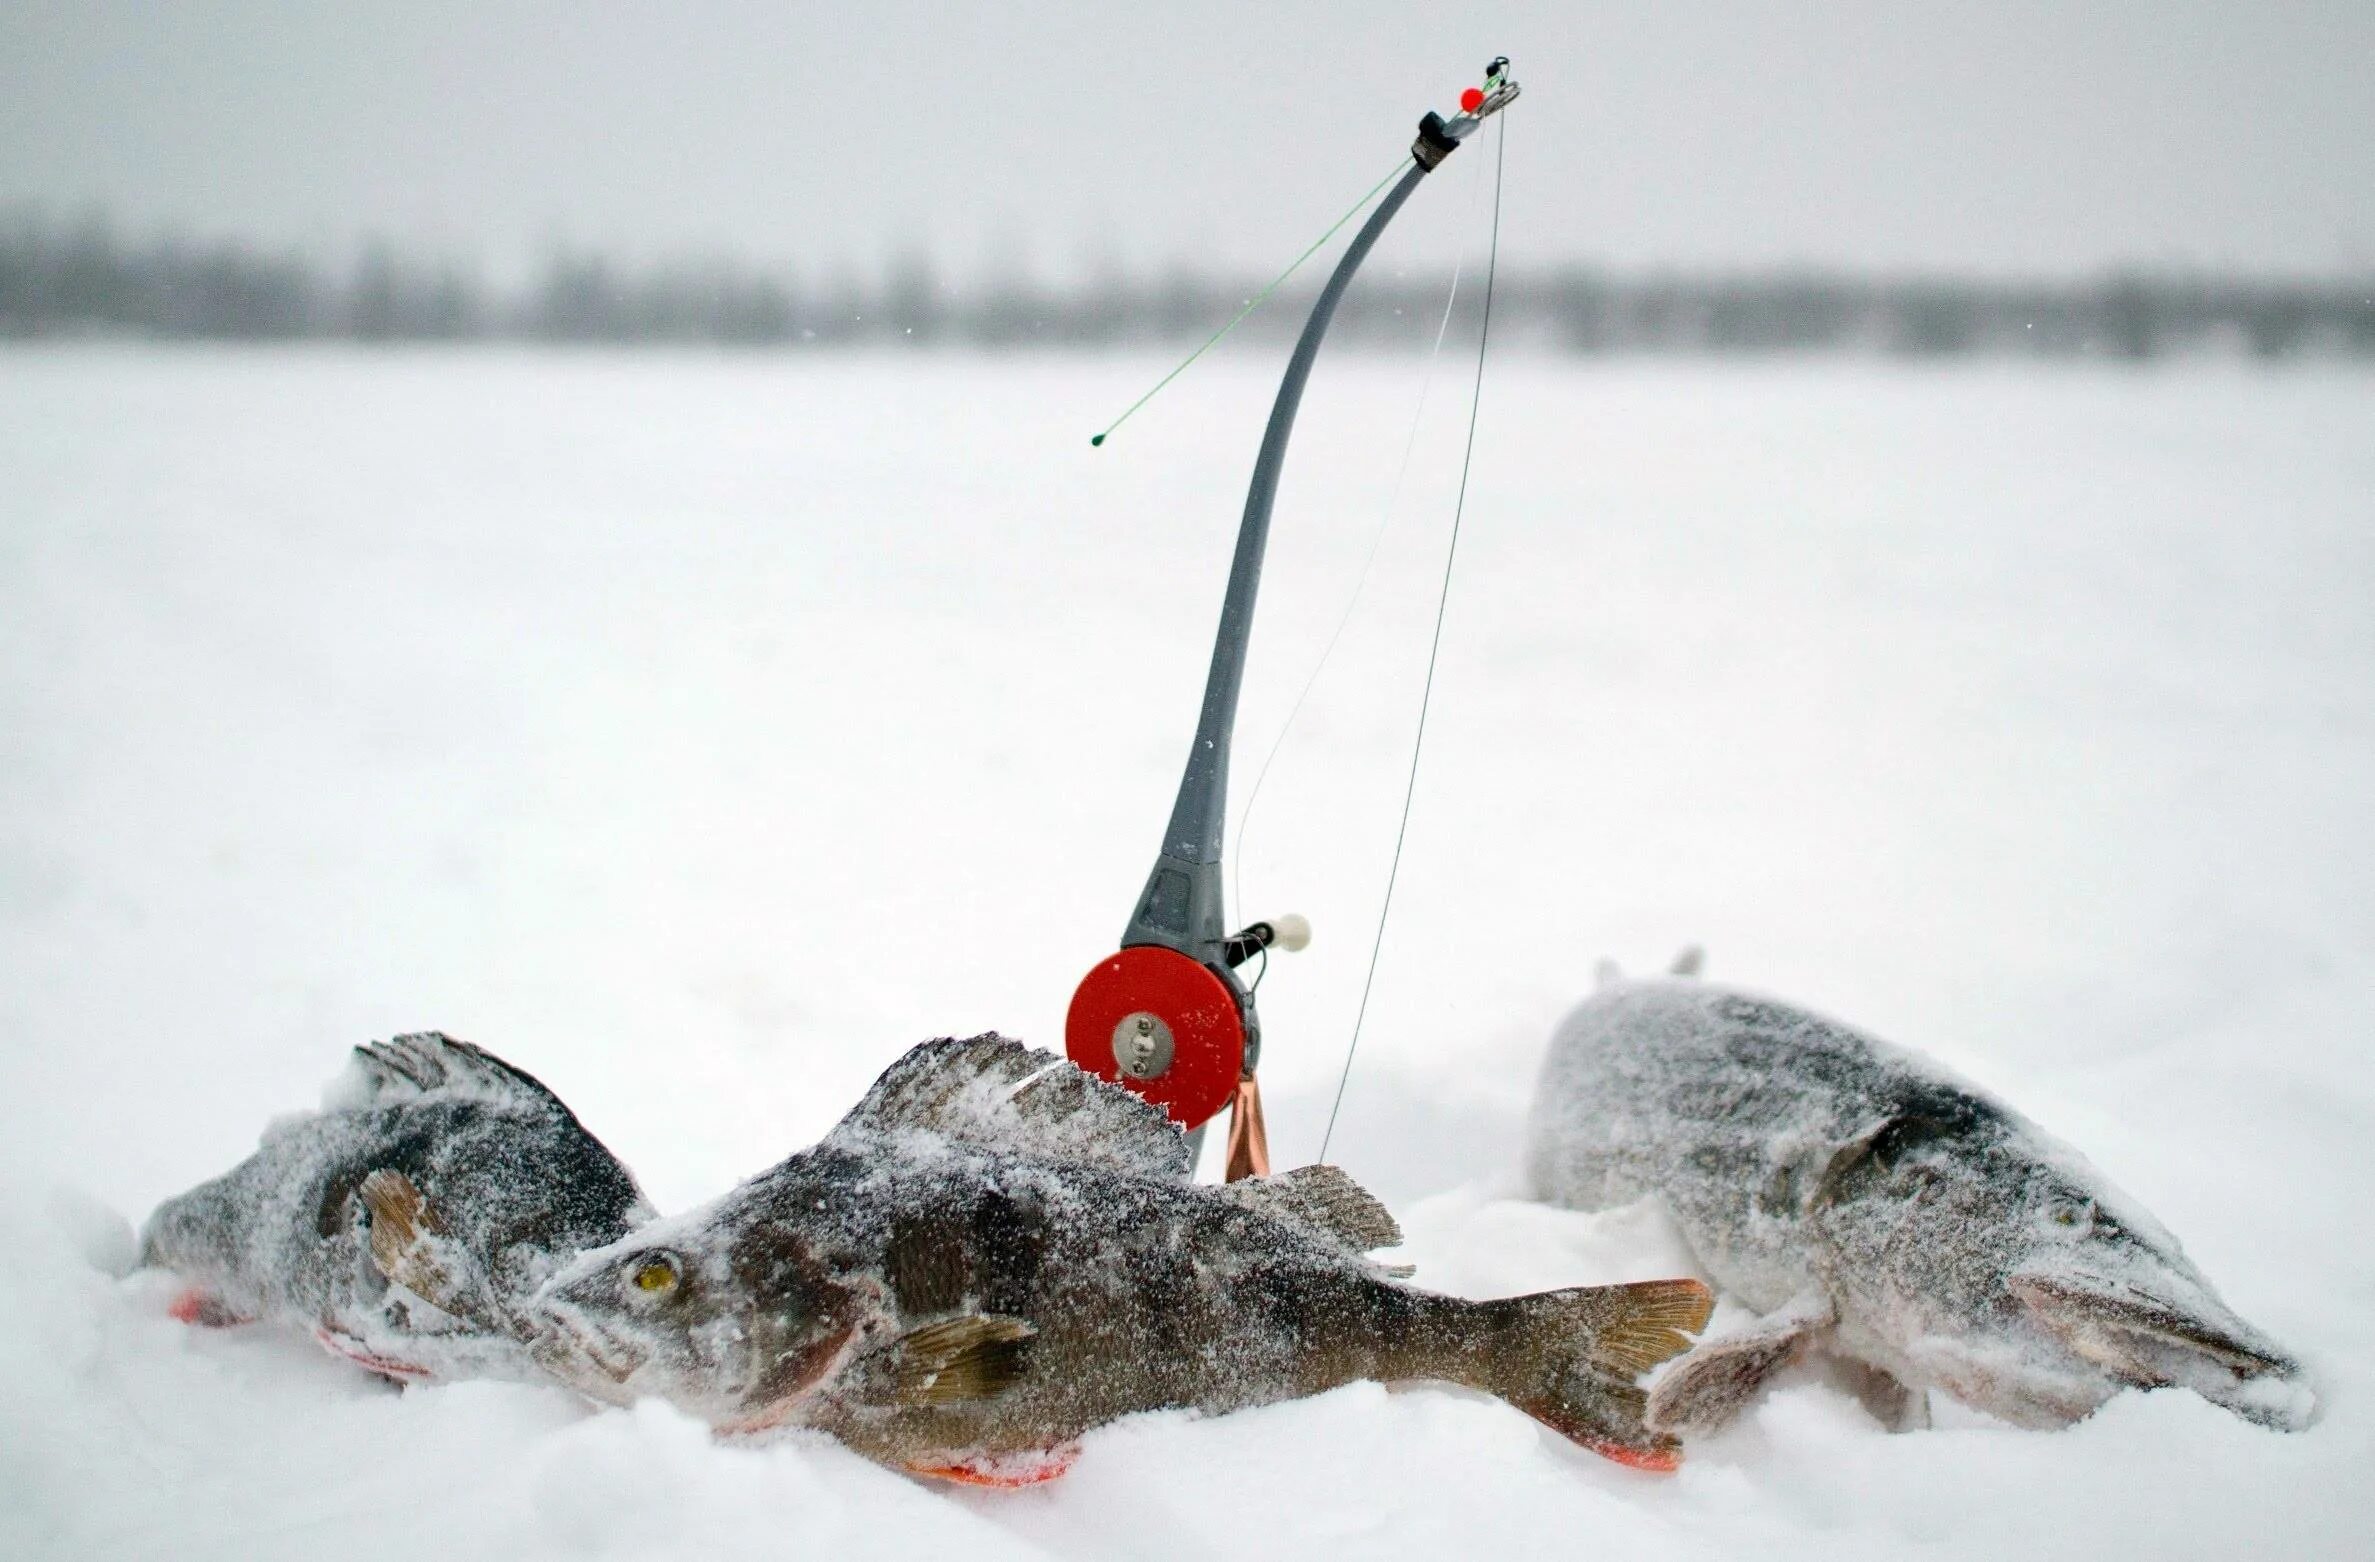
1005,1471
1569,1358
202,1308
1660,1461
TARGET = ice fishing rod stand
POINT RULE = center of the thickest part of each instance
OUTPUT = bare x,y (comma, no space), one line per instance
1167,1016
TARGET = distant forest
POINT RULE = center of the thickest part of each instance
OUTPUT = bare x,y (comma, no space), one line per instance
81,280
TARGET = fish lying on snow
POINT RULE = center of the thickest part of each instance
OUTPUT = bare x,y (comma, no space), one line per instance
427,1146
1873,1207
995,1252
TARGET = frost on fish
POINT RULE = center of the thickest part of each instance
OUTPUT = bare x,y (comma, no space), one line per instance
995,1252
492,1179
1872,1206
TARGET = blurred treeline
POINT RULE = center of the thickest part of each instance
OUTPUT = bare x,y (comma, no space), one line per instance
81,279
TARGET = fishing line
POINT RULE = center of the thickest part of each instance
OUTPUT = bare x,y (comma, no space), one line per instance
1434,646
1256,301
1376,541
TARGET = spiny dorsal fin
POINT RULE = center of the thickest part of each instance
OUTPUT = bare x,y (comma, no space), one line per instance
1324,1199
999,1094
422,1064
976,1356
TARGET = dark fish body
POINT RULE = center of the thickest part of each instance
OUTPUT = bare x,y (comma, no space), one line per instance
1875,1208
996,1252
519,1186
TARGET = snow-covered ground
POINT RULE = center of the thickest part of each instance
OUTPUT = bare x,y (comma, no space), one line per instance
699,731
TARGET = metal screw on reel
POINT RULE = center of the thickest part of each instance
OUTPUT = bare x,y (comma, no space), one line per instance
1162,1024
1142,1046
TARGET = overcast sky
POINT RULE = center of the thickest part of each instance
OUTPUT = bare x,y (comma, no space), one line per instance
2007,136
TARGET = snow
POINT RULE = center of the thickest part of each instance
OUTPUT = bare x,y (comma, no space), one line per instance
700,731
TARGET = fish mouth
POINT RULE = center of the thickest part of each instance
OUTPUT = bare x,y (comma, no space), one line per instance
571,1341
2152,1342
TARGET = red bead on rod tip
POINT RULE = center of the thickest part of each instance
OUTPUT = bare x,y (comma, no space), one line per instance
1471,100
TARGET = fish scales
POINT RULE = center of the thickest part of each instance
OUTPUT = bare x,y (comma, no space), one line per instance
958,1278
518,1186
1878,1210
1140,1295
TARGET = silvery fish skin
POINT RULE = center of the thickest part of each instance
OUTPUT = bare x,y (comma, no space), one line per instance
518,1186
1874,1207
996,1252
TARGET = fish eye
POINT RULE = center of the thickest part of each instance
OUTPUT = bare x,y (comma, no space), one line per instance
2074,1213
657,1274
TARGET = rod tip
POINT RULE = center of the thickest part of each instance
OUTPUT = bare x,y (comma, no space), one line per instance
1096,440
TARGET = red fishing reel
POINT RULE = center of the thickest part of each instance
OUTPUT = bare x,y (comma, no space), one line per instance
1161,1024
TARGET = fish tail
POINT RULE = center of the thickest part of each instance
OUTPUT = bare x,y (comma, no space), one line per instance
1569,1359
185,1232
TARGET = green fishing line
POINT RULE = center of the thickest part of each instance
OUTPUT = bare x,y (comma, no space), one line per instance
1256,301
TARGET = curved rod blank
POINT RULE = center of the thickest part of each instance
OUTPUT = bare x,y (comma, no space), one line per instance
1181,907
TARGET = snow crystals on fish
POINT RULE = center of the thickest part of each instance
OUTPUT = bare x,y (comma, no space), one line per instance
1873,1207
994,1253
433,1169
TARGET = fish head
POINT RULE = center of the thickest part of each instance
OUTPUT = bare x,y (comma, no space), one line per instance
2152,1326
2114,1288
729,1323
2014,1274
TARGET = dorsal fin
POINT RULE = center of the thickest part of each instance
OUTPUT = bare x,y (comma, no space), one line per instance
1001,1095
1324,1199
422,1064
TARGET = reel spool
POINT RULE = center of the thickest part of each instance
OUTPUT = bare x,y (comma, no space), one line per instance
1179,1033
1163,1025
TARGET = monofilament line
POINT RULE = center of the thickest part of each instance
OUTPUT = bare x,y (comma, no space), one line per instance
1256,301
1376,541
1434,647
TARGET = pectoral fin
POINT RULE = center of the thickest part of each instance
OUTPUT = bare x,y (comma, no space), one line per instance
407,1246
976,1356
401,1225
1708,1387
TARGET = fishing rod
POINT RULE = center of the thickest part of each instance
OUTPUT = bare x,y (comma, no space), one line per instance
1167,1016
